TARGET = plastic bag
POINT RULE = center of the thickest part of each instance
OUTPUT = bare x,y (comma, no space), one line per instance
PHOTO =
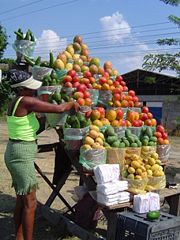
39,72
135,130
68,90
135,109
73,144
116,156
120,131
94,95
92,157
137,186
75,133
133,150
48,90
157,182
163,152
56,119
146,151
104,97
24,47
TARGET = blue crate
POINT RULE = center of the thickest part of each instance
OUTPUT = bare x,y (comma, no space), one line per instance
131,225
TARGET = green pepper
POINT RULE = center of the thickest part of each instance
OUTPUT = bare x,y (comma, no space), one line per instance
27,37
51,60
29,61
38,61
19,36
32,37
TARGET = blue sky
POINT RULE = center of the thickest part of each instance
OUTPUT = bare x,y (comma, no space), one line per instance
120,31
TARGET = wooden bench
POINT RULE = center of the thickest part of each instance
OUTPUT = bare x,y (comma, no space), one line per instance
171,196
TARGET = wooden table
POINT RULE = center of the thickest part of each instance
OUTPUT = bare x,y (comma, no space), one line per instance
172,196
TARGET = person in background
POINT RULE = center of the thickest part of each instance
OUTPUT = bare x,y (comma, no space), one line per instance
21,149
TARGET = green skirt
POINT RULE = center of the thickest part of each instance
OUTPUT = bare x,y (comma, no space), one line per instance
19,158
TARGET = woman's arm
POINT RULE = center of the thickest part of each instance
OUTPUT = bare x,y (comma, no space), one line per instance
36,105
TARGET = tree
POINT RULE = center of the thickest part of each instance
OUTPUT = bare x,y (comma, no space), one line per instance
167,61
3,40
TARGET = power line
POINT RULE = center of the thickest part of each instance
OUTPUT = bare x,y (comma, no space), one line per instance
42,9
127,44
140,52
22,6
110,39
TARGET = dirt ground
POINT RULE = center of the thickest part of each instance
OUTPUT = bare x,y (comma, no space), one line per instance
43,229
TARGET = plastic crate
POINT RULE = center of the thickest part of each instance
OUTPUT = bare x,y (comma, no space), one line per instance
131,225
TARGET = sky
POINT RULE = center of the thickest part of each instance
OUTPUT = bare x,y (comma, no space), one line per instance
120,31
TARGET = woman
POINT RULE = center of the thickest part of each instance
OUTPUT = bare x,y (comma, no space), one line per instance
21,148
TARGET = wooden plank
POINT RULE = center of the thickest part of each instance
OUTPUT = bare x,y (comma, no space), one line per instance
46,147
167,192
116,206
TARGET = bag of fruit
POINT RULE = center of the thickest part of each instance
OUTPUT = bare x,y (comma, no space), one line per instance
163,152
137,186
157,183
90,158
116,156
147,151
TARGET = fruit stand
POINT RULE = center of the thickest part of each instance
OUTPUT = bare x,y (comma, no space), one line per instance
112,129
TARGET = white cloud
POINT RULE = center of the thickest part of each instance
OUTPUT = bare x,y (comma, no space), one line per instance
129,53
49,41
115,28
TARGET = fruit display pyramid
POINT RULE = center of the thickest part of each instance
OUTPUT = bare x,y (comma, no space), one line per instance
111,114
84,79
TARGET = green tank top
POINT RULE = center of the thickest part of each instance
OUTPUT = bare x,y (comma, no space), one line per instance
22,128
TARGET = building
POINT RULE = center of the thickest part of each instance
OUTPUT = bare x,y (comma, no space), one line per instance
160,92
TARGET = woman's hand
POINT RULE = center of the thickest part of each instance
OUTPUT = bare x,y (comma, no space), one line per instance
76,106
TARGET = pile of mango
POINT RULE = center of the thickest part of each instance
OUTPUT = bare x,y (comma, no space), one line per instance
76,120
147,136
138,168
94,139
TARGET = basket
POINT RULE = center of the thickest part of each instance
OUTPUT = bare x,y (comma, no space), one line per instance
131,225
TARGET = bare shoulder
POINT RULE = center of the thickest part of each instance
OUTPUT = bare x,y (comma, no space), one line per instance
27,100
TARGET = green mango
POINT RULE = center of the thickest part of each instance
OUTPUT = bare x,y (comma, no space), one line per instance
151,143
127,144
130,139
110,131
115,144
145,142
81,117
152,215
124,173
106,145
122,145
145,137
139,143
128,132
57,97
149,132
153,139
111,139
134,145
